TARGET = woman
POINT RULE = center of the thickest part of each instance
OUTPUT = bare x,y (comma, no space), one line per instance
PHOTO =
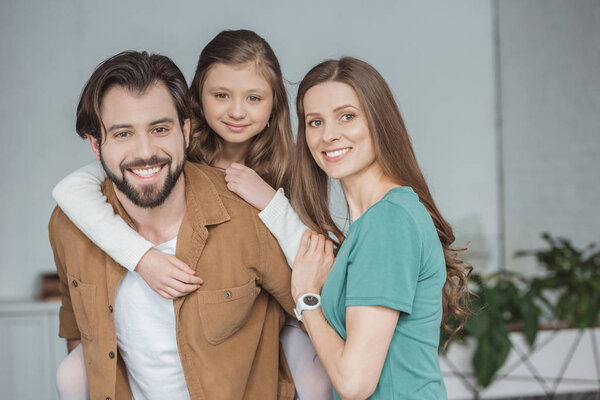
395,278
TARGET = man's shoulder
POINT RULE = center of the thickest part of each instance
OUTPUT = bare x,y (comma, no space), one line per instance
216,176
59,223
63,234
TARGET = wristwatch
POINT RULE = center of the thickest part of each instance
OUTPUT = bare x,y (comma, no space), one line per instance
308,301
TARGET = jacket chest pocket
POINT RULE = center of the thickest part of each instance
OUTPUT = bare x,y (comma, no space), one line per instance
83,300
224,311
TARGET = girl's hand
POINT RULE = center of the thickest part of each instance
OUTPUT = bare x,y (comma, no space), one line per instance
246,183
167,275
312,264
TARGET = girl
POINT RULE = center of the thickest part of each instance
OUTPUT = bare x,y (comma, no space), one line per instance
395,277
239,115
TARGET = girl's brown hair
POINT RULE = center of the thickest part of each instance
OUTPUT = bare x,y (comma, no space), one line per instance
395,155
270,151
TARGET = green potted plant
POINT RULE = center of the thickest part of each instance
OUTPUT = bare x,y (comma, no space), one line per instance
567,293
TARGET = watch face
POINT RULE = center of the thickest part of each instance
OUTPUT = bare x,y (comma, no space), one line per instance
311,300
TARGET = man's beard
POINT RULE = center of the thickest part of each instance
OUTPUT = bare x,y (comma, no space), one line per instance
148,196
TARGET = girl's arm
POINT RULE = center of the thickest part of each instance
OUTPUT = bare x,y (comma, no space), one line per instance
80,197
276,211
354,365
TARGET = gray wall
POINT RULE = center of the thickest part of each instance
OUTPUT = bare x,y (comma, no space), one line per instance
550,79
437,56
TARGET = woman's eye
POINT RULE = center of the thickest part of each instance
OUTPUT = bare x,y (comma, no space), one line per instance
315,123
254,98
347,116
221,96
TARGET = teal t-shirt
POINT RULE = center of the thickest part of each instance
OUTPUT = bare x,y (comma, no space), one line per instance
393,257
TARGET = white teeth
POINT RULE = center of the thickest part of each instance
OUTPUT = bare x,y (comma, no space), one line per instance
337,152
145,173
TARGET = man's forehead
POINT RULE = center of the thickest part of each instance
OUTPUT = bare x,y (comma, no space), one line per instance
121,105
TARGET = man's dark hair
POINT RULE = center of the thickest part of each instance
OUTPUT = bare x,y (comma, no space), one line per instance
136,71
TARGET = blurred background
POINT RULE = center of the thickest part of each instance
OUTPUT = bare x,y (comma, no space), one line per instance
501,98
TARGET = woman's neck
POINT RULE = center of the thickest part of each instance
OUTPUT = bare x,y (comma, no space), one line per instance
366,188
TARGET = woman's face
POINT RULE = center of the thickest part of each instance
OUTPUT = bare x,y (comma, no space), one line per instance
237,101
337,132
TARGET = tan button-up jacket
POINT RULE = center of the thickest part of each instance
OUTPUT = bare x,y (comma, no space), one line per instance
227,331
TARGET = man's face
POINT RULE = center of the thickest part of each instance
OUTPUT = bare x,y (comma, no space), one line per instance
143,147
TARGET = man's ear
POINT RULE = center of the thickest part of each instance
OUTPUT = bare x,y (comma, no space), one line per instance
186,132
95,143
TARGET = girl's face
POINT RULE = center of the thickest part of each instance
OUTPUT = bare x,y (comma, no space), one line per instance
237,101
337,132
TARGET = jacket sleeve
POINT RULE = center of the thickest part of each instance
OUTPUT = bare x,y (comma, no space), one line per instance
80,197
68,328
284,224
276,276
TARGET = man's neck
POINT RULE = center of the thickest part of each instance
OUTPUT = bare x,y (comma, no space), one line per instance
159,224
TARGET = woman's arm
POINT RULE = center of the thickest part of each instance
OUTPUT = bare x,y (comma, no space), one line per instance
276,211
80,197
354,365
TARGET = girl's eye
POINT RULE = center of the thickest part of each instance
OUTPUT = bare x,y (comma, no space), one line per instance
347,116
315,123
221,96
254,98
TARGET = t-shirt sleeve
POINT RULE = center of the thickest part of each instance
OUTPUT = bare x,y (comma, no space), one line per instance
385,259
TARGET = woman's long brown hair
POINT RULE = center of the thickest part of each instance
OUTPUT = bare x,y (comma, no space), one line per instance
269,153
395,155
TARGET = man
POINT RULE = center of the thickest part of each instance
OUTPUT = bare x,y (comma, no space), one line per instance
219,342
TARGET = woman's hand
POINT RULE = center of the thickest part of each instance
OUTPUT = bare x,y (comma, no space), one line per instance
246,183
312,264
167,275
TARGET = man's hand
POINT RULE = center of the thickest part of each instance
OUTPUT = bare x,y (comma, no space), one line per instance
246,183
167,275
312,264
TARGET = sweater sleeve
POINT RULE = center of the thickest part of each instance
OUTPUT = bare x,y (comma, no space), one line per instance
80,197
283,222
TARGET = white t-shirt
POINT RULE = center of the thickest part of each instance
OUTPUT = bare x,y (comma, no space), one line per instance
145,325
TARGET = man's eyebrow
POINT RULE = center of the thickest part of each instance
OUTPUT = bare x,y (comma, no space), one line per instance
119,126
165,120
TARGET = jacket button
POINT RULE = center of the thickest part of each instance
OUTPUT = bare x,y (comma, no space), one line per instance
111,355
110,309
74,283
228,294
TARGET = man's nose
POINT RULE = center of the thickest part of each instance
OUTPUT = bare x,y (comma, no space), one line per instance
144,147
237,109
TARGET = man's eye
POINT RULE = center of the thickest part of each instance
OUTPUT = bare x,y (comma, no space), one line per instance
221,96
254,98
315,123
161,130
122,134
347,116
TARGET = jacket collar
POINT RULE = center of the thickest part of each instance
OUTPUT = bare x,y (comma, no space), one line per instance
203,203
